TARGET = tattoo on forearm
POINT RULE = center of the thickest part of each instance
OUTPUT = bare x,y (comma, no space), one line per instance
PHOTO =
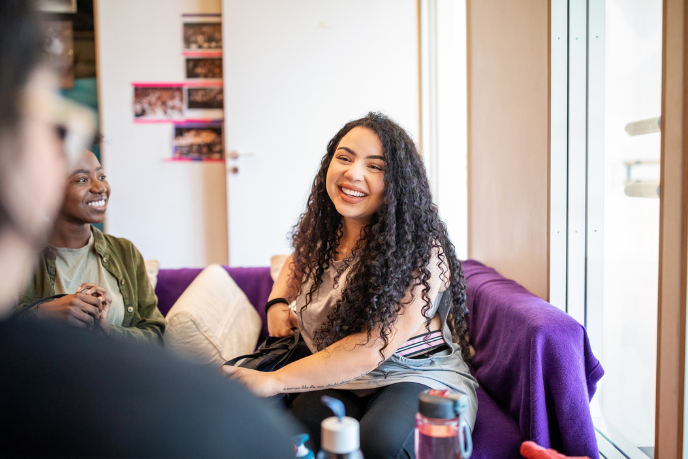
307,387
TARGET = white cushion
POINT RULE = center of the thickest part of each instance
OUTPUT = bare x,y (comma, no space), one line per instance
212,321
152,269
276,264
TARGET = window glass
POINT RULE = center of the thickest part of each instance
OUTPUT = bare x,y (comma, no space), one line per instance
633,71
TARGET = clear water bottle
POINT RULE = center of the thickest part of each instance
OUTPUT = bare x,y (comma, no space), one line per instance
442,431
340,437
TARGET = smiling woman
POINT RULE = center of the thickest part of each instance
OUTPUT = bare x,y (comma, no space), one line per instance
87,278
376,291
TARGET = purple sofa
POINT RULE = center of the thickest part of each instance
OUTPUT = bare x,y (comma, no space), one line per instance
536,370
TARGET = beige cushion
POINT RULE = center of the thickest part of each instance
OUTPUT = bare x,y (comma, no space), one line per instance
276,264
212,321
152,269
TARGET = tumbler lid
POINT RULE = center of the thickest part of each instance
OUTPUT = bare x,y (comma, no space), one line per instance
340,436
441,404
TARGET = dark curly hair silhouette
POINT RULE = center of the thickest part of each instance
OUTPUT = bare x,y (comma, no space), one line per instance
394,249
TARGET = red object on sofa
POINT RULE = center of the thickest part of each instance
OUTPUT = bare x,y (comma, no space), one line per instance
531,450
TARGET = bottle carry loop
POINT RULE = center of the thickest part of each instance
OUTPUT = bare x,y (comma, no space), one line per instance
465,441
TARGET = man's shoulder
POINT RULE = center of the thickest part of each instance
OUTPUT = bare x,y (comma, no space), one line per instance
84,394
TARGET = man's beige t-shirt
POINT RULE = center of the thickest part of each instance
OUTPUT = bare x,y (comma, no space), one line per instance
77,266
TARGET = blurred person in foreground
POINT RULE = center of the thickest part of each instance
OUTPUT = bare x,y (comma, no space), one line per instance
64,391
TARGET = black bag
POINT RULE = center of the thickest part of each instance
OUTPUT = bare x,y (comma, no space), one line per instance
274,353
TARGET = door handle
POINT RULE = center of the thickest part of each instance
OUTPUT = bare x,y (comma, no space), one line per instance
235,154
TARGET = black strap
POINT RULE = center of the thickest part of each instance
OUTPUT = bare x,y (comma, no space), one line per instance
273,302
273,348
234,361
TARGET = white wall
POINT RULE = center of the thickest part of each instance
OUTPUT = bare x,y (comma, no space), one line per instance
173,212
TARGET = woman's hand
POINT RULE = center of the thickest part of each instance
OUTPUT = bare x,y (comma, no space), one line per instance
261,384
281,320
78,309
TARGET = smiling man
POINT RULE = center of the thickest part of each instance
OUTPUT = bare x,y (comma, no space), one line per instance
90,279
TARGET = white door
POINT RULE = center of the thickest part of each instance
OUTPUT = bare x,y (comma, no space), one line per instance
294,73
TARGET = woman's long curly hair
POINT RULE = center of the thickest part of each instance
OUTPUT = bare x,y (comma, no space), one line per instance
394,250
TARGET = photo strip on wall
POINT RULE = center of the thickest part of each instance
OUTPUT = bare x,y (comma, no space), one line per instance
194,107
202,32
158,102
205,100
194,141
204,68
202,44
170,102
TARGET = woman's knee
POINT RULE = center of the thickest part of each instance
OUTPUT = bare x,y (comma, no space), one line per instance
388,426
387,441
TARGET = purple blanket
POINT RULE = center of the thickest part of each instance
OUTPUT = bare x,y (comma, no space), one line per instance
534,360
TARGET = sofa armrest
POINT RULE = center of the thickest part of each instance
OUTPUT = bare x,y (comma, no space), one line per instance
534,360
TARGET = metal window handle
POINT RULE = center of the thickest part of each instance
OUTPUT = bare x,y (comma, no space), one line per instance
647,126
235,154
